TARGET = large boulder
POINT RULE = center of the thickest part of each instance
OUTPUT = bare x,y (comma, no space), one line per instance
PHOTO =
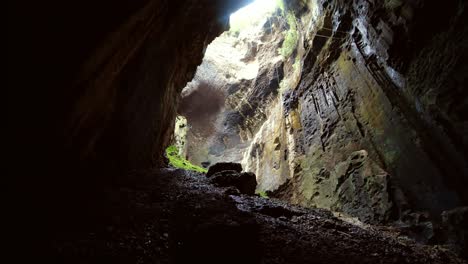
224,166
245,182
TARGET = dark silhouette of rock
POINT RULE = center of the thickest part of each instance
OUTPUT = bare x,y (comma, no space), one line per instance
455,224
223,166
205,164
246,182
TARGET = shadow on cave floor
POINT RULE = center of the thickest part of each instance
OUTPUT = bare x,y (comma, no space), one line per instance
176,216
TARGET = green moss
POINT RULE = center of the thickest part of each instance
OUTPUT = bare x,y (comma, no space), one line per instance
262,194
291,37
280,4
177,161
297,64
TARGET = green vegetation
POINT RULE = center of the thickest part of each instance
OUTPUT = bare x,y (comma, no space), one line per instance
262,194
280,4
297,64
293,79
291,37
177,161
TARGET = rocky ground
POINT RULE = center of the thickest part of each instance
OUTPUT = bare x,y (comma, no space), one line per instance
175,216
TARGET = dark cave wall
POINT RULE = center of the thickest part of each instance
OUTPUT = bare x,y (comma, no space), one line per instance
104,77
151,58
95,88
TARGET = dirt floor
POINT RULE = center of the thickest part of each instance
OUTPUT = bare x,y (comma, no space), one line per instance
174,216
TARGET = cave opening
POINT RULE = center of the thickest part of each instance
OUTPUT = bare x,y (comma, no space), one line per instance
307,131
317,107
214,110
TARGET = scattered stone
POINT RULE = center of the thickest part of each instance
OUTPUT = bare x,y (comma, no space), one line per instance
223,166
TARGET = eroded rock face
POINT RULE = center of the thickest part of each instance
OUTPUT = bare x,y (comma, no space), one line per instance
351,97
368,84
247,69
356,94
362,188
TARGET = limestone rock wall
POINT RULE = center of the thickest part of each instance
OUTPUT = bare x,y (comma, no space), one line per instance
366,115
358,95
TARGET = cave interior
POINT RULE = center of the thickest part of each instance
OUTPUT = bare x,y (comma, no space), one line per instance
240,131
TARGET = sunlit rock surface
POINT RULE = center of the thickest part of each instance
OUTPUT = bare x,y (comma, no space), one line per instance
247,68
362,79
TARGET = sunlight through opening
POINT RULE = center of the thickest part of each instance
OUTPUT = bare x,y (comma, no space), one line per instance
252,14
